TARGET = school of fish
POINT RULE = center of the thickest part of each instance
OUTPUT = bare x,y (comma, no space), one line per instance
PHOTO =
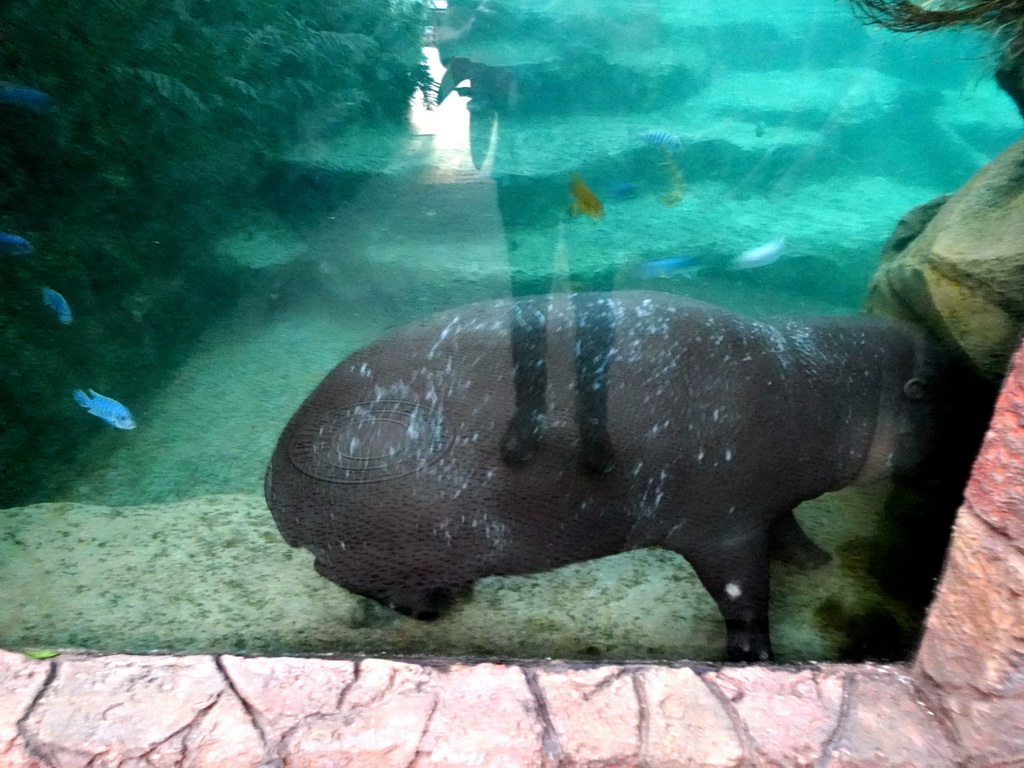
584,201
106,408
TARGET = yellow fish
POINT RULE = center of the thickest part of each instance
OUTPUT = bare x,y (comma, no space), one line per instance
674,195
583,200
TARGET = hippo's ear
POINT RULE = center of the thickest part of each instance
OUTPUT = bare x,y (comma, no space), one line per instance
915,389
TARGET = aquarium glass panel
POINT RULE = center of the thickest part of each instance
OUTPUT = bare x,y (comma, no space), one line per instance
483,328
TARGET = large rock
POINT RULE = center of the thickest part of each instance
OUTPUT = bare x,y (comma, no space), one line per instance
961,275
970,657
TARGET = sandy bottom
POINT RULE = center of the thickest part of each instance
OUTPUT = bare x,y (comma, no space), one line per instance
212,574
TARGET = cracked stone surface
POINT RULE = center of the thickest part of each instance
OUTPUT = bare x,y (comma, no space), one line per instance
686,723
487,716
594,714
885,723
21,680
788,716
199,711
124,709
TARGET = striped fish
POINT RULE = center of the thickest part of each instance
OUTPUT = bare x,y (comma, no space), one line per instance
662,139
106,408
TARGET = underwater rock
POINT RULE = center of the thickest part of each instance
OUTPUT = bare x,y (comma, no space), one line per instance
960,277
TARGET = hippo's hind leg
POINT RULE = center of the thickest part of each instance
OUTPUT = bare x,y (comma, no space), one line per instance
789,543
735,573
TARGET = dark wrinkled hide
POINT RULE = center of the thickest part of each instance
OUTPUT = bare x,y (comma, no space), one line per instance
391,472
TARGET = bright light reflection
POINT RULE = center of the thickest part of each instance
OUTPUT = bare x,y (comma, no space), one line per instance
448,124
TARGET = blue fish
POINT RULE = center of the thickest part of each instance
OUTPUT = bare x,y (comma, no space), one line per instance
26,98
662,139
105,408
625,191
12,245
58,304
666,267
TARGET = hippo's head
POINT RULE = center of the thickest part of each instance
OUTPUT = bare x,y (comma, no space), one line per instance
942,414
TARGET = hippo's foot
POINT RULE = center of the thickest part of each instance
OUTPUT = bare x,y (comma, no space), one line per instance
790,544
735,572
597,457
748,641
425,606
522,438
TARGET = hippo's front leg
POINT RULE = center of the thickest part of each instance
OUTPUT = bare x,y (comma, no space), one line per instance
735,572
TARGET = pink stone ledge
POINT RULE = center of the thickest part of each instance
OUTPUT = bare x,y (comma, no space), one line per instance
232,712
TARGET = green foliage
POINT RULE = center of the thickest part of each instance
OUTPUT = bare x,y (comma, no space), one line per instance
40,654
168,112
151,94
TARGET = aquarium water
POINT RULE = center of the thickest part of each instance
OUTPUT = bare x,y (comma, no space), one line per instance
229,199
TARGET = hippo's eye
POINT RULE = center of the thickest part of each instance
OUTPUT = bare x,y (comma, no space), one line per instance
914,389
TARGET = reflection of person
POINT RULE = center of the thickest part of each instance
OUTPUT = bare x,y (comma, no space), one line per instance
492,89
531,217
461,17
595,334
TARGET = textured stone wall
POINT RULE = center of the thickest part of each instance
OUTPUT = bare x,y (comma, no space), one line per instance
971,660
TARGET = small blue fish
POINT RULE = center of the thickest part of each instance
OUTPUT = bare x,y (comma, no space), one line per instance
58,304
761,256
625,191
26,98
662,139
105,408
12,245
666,267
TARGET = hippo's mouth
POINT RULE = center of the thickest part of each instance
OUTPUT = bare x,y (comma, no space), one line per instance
371,442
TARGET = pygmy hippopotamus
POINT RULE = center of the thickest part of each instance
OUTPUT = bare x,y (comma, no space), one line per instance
398,475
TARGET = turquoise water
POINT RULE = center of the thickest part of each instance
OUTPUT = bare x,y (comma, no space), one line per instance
218,273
